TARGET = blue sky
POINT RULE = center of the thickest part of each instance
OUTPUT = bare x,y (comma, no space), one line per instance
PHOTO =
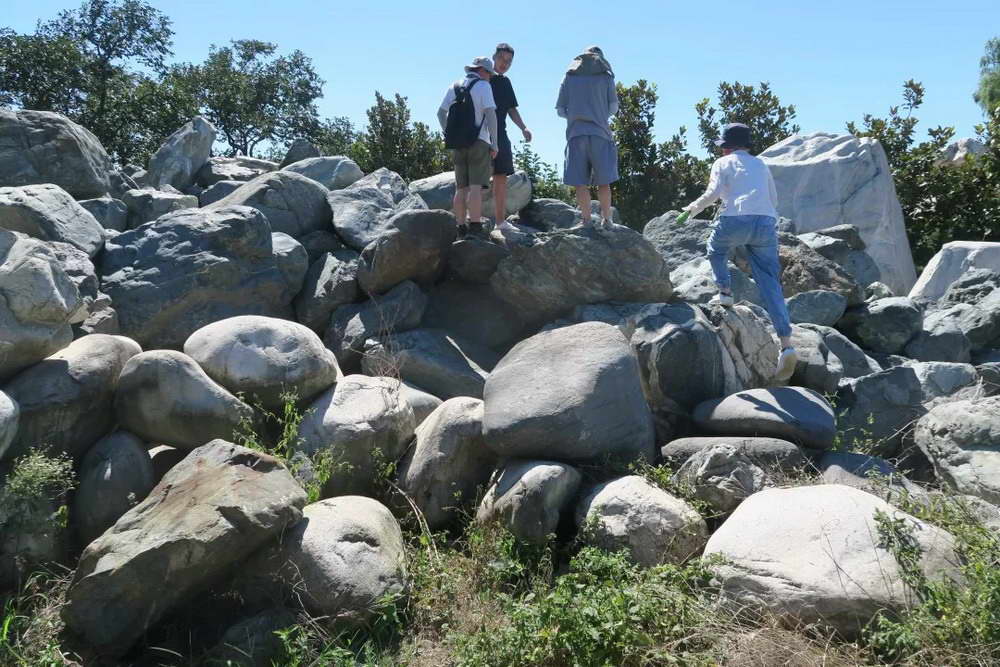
833,60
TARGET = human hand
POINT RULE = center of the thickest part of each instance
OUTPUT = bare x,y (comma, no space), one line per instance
493,154
527,134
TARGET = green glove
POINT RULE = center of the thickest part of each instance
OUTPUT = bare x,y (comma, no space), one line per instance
682,218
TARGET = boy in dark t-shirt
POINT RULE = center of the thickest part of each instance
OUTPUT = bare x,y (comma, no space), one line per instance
506,101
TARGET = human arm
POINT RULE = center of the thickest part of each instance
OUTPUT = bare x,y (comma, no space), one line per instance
443,119
612,97
713,192
516,117
562,102
490,118
442,113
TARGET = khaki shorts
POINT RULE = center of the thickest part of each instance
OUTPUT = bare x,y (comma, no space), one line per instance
473,165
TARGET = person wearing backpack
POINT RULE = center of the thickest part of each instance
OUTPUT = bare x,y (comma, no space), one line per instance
469,120
587,99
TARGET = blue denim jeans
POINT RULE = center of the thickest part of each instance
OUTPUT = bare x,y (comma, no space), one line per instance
758,234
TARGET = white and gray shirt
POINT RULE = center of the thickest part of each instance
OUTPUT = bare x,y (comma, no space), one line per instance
743,183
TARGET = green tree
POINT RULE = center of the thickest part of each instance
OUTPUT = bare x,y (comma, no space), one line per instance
987,94
390,140
545,180
895,133
335,136
254,96
654,178
760,108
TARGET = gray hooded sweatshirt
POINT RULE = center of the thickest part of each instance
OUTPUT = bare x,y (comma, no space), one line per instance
587,96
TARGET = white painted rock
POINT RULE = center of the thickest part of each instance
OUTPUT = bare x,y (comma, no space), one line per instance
811,554
825,179
951,262
264,357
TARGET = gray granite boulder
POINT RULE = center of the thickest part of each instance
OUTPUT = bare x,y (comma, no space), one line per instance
630,513
678,244
44,147
422,402
413,246
721,477
790,413
48,213
239,168
474,260
165,397
264,358
217,192
181,156
853,360
843,245
66,400
330,282
211,511
362,211
291,259
473,312
816,307
694,282
940,339
569,394
333,173
529,498
766,453
110,213
817,367
171,277
548,215
299,150
885,325
148,205
292,203
10,415
962,441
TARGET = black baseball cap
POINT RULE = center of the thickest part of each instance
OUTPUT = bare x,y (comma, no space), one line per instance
734,135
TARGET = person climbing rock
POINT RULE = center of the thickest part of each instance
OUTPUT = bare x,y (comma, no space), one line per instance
506,101
748,219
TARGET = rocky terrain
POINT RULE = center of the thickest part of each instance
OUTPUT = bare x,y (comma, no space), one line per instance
159,326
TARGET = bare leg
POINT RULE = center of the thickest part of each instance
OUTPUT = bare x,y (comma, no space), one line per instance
475,203
583,203
604,195
500,197
458,204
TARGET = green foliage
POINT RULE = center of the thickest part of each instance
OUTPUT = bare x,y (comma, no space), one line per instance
30,623
36,479
254,96
546,182
655,177
987,93
604,611
390,140
103,66
335,136
955,623
940,202
759,108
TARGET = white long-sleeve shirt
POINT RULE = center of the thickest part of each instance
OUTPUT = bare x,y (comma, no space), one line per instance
745,185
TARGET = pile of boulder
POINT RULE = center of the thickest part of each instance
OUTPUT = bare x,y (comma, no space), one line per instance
154,321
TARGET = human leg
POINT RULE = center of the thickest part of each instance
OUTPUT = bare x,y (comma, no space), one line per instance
766,266
500,197
604,196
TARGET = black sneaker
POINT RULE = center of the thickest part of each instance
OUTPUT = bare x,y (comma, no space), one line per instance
463,231
477,230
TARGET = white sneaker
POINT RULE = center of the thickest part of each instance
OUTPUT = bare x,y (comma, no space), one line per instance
506,227
720,299
607,224
786,364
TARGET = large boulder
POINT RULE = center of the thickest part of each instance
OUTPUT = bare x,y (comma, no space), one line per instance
115,475
239,168
548,215
148,205
44,147
292,203
165,397
940,339
212,510
343,560
529,498
473,312
448,463
422,402
816,368
803,269
66,400
299,150
38,303
823,561
333,173
361,424
853,360
10,415
980,322
630,513
218,192
292,260
694,282
962,441
446,366
766,453
264,358
821,307
399,309
568,268
678,244
175,275
721,476
824,180
81,270
110,213
47,212
331,282
181,156
972,287
569,394
843,246
789,413
362,211
438,192
952,261
474,260
884,325
413,246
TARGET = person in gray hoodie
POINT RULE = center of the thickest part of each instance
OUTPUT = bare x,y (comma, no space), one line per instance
587,99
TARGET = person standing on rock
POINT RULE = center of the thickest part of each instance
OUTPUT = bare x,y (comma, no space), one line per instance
748,219
503,163
469,121
587,99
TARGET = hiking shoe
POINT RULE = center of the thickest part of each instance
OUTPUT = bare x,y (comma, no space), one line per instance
786,364
477,230
463,231
607,224
721,299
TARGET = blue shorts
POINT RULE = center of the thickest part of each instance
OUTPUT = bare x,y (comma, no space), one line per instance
590,160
